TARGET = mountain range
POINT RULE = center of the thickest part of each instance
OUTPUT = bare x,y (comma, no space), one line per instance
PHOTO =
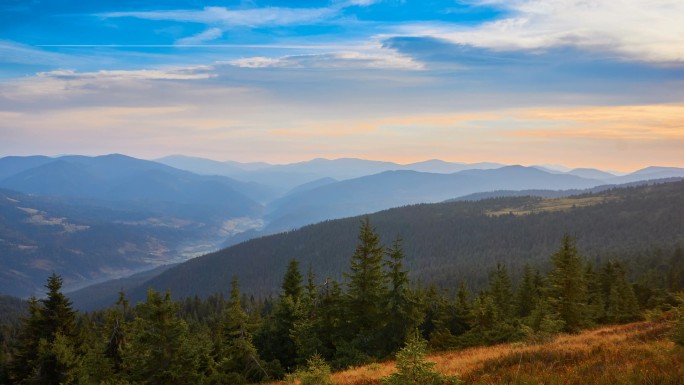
444,243
95,218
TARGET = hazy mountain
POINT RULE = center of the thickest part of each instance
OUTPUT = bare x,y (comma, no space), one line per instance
11,165
448,242
591,173
122,178
652,172
286,177
204,166
399,188
442,167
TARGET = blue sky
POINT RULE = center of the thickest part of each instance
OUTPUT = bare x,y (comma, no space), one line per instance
584,83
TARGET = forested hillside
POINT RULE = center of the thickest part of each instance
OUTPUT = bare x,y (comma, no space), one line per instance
447,242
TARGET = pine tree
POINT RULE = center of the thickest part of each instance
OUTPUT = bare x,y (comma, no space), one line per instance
501,290
238,361
367,291
413,369
568,287
620,301
275,340
404,314
159,350
47,350
529,292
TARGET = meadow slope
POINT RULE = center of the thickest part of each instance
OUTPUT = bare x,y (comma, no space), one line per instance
636,353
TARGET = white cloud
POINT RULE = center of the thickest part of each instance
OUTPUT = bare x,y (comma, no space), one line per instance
385,59
647,30
202,37
225,18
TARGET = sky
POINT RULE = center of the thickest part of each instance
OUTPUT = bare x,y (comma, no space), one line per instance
575,82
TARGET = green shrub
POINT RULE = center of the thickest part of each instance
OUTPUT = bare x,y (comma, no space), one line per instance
412,369
317,372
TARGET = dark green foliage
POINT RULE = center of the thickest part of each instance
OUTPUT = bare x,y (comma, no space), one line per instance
238,358
317,372
159,349
620,301
501,291
366,291
529,292
403,312
46,351
567,292
275,338
413,369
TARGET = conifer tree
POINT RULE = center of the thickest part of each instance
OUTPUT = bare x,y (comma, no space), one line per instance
501,291
413,369
367,292
275,338
39,358
529,292
568,287
620,301
159,350
239,361
404,314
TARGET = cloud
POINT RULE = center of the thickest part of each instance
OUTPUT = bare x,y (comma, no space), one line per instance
334,60
638,123
202,37
644,30
225,18
16,53
180,73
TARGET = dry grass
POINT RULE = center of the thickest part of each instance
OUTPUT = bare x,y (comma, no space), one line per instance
553,204
637,353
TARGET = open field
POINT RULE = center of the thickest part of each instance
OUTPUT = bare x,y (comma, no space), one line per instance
637,353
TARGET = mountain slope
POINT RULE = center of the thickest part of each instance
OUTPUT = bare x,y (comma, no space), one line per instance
448,242
399,188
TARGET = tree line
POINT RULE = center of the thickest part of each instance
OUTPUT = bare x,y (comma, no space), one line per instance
367,316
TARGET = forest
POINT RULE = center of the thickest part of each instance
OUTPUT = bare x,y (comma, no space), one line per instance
317,324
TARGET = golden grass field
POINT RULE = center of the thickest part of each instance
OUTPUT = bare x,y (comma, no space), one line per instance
637,353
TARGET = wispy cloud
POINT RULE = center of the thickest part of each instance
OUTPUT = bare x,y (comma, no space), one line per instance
16,53
202,37
227,18
646,30
386,59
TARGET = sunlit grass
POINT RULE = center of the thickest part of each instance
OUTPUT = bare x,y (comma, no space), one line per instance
637,353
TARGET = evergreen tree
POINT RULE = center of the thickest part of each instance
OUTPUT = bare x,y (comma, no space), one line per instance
238,361
529,292
367,291
620,301
159,350
413,369
404,314
275,339
39,358
568,287
501,291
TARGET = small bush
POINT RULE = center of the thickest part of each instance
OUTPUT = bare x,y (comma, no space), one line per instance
317,372
412,369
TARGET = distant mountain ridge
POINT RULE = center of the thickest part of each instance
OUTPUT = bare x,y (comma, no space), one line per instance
448,242
199,213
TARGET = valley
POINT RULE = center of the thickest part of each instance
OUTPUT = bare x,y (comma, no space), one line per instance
107,217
